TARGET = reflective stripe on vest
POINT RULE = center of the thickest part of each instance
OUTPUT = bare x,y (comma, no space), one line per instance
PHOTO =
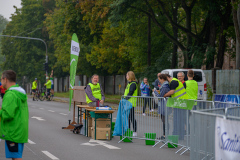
133,100
96,92
180,91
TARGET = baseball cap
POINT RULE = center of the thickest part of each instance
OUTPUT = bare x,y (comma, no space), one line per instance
35,78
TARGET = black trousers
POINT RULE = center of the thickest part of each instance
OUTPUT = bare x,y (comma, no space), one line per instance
132,119
146,101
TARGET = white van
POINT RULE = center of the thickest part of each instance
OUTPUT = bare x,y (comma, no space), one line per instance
199,76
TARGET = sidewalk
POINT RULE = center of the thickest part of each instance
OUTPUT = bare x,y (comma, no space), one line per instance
66,100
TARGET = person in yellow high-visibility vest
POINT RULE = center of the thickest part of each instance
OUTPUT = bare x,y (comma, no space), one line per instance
191,86
177,90
131,90
94,92
48,86
34,87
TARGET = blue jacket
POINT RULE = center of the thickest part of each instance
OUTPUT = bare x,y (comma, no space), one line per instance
121,124
161,103
145,90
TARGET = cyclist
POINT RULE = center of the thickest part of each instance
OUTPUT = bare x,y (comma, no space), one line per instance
48,86
34,87
52,85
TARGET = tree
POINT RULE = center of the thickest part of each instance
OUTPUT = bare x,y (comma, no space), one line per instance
197,38
3,23
236,21
26,57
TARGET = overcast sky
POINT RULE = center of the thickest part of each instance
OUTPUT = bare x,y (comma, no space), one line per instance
6,7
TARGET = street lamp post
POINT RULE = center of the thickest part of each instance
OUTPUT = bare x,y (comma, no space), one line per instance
38,39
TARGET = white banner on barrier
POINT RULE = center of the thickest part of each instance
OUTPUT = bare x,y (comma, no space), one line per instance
227,139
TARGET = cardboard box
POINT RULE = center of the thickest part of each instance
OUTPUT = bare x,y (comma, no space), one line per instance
89,131
89,122
101,123
101,133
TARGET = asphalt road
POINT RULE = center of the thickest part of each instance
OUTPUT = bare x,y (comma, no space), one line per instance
48,141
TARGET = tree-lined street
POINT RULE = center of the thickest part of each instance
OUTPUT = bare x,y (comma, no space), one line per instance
48,141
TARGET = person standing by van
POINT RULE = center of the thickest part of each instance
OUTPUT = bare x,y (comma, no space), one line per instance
177,90
157,83
191,86
163,90
180,77
145,92
131,90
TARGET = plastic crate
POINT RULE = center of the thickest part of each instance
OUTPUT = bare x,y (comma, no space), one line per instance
150,136
173,139
99,115
128,133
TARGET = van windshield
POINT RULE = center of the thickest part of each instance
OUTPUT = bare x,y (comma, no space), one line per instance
197,75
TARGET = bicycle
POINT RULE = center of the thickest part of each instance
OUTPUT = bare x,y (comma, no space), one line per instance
43,95
36,95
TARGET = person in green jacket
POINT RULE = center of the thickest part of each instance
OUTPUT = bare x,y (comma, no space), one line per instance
48,86
14,116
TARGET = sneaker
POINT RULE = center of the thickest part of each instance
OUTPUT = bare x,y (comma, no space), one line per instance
152,110
134,134
144,114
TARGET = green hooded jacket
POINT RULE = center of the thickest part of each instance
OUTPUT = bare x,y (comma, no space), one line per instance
14,115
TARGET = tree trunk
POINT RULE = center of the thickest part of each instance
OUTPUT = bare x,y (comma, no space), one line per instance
187,64
222,37
236,20
149,41
175,34
212,39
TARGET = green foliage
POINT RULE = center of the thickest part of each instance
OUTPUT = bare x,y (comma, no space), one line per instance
3,24
24,56
113,35
209,92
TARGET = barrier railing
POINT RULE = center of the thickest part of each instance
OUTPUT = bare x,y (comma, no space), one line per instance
173,126
147,122
203,131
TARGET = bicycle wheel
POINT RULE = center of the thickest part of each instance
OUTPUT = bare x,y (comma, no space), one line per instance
42,96
51,97
36,97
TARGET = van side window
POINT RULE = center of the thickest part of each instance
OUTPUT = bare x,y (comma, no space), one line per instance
197,75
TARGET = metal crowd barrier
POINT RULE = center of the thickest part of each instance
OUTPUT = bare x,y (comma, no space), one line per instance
148,126
203,131
178,125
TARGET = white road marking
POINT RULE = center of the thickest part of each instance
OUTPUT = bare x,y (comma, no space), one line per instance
38,118
93,142
31,142
50,155
41,108
63,114
51,111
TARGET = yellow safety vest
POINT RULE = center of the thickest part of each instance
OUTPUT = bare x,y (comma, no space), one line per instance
192,89
96,92
34,85
48,84
180,91
133,100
